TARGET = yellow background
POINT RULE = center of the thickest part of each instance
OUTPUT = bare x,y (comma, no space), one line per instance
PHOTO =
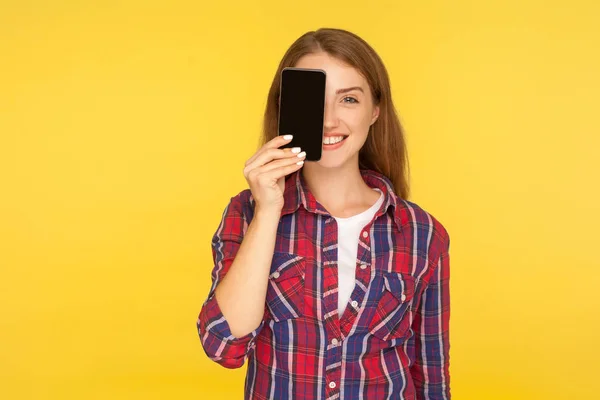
124,126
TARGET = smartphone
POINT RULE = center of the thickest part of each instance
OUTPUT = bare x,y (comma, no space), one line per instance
302,109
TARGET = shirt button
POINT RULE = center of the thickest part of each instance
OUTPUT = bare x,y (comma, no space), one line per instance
332,385
365,234
275,275
334,341
403,297
363,266
354,303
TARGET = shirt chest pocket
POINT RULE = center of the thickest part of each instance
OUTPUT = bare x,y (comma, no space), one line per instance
285,291
390,319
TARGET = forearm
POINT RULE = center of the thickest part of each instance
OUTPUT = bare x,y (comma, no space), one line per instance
242,292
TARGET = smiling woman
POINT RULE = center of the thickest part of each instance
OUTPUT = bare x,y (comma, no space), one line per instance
326,278
358,105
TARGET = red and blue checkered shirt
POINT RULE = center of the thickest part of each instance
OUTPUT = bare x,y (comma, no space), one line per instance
391,341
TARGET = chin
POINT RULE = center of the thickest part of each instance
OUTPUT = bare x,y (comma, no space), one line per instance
332,161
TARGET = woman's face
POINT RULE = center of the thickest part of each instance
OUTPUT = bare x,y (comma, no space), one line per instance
349,109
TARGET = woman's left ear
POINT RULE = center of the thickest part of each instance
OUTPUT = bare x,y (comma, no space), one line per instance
375,114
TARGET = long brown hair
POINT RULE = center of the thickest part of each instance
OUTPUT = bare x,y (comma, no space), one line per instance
385,148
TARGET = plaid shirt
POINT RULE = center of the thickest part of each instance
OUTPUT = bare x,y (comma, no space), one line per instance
391,341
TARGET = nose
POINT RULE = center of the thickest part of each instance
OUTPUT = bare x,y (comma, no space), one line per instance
330,119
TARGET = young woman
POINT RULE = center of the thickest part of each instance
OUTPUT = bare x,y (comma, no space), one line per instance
326,278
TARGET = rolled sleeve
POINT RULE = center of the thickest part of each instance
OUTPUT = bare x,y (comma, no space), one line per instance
213,329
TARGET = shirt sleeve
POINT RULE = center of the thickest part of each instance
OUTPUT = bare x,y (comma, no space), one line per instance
214,331
430,372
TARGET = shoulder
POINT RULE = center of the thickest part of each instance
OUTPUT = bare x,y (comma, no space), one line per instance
242,204
424,225
236,216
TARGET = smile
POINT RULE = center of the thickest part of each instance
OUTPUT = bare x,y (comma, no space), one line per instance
333,142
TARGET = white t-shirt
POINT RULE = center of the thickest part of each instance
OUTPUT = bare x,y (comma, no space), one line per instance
348,235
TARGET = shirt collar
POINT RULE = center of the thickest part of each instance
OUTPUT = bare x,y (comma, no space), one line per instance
296,194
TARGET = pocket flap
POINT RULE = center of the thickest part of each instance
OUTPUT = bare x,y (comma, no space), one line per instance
402,286
285,266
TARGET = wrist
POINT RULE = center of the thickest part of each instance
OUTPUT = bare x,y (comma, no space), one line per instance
271,213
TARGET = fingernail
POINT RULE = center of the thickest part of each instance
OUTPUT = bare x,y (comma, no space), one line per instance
302,154
287,137
295,150
300,162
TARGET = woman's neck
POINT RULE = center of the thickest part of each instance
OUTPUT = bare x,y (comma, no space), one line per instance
342,191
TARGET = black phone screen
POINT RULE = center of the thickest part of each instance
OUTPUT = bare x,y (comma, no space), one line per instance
301,109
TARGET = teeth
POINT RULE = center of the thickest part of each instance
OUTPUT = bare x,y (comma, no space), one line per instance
332,139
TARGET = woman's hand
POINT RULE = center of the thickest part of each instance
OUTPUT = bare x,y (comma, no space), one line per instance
265,172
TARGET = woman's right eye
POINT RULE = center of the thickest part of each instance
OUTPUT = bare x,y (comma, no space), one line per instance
354,101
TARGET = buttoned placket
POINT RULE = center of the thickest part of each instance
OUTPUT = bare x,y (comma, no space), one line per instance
333,356
338,328
363,272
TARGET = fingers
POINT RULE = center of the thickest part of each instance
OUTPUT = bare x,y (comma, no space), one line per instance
265,163
284,171
284,162
277,169
274,143
271,154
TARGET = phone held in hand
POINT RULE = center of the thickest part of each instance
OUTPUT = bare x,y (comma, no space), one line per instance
302,109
